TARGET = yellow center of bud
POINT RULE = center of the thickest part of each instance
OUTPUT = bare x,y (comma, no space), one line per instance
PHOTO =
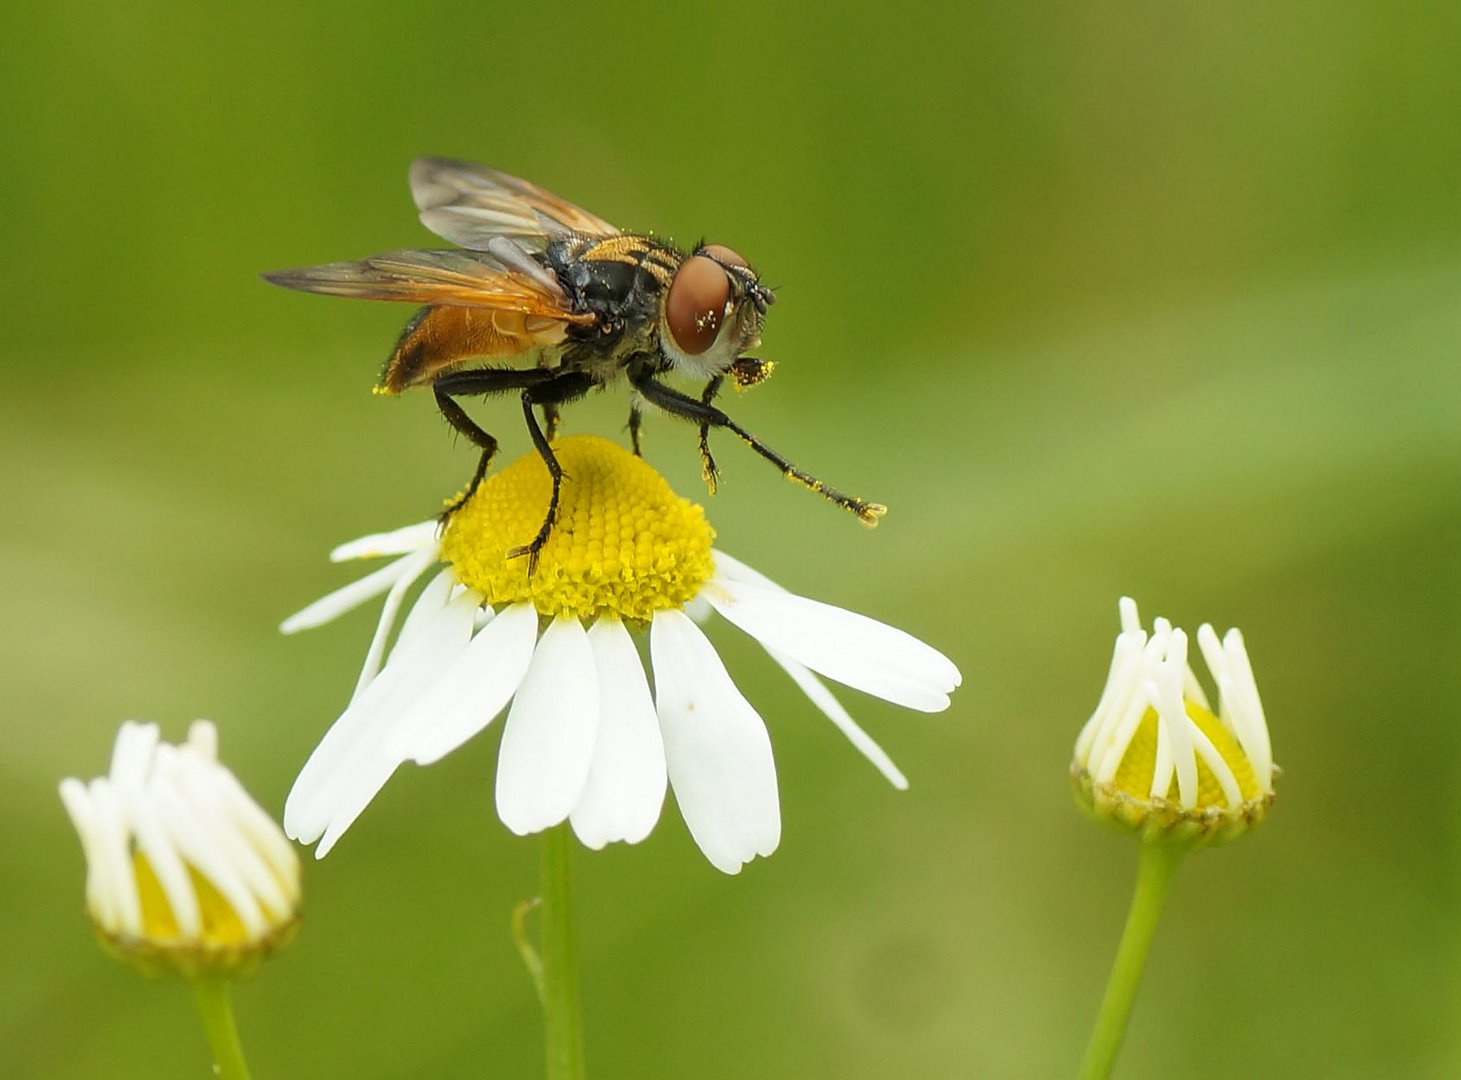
1134,774
223,946
623,542
1127,801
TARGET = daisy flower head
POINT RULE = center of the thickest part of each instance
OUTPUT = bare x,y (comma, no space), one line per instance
585,739
185,872
1154,756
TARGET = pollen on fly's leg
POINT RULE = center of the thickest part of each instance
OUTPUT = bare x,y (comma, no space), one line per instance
747,371
551,418
708,471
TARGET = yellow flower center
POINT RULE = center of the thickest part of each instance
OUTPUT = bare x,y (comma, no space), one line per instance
623,541
1134,775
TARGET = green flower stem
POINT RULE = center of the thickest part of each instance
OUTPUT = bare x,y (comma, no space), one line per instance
215,1006
1153,876
562,1022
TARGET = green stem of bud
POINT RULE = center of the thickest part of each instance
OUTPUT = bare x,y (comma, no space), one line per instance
558,986
1154,874
215,1006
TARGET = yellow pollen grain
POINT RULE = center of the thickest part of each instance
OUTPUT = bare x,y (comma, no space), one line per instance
623,542
1134,775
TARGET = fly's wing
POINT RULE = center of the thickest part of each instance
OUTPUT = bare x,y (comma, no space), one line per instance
478,306
471,204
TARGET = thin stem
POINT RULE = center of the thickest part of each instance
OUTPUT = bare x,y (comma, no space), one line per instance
215,1006
562,1022
1153,876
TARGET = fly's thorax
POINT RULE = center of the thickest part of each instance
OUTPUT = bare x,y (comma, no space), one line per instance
619,280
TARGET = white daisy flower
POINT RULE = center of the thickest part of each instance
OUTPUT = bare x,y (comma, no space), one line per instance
1155,758
184,871
585,740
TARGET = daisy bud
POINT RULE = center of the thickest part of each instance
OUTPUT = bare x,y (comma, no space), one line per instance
185,873
1154,757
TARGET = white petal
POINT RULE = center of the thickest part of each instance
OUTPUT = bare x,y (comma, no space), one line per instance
132,753
716,747
1130,617
1217,765
397,542
256,828
167,864
211,850
116,876
85,812
203,740
1253,726
1175,726
1121,685
352,762
431,598
822,698
699,609
626,782
348,597
852,649
470,694
548,742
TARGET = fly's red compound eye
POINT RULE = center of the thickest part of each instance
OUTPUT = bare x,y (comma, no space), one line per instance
695,306
724,255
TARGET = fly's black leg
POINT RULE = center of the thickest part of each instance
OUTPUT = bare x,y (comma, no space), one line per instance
560,388
550,419
678,404
480,381
457,417
634,424
708,472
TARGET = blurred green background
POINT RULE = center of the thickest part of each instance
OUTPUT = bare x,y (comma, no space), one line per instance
1149,298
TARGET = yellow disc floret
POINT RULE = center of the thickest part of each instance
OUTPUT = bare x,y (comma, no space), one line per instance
623,542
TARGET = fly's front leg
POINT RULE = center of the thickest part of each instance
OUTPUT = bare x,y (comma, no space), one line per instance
678,404
708,472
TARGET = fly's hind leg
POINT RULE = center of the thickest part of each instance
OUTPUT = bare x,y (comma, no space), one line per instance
479,381
708,472
458,418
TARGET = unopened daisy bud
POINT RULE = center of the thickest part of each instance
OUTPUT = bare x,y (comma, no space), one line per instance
1156,759
185,873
